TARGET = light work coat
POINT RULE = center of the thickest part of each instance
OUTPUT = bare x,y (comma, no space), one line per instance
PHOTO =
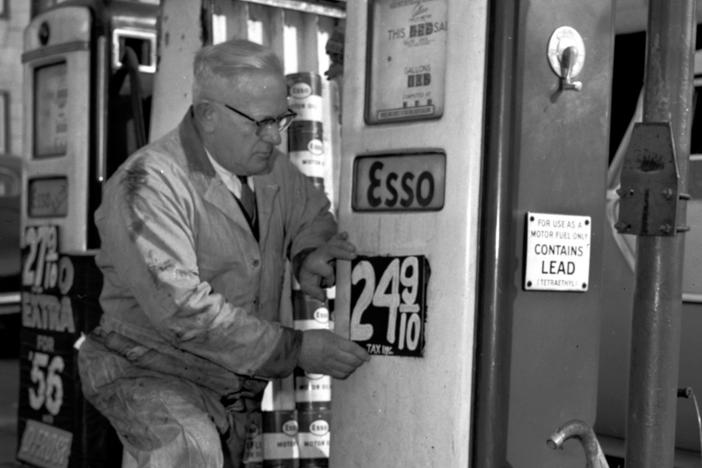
185,281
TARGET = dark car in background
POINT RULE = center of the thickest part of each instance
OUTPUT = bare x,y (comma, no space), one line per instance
10,270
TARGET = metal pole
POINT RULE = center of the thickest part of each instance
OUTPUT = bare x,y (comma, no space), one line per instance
495,319
655,341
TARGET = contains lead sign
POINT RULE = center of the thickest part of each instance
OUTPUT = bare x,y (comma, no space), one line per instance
557,252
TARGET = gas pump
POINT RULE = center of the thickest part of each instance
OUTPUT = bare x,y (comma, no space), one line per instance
478,284
409,198
76,56
470,130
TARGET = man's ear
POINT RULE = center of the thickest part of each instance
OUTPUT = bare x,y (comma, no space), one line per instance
205,114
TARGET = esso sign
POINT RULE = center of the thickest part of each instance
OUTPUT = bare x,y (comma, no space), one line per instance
407,189
412,182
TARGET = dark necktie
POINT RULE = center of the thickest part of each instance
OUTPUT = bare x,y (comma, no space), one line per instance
248,202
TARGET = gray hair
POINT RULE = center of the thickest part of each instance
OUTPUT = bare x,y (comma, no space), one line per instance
218,66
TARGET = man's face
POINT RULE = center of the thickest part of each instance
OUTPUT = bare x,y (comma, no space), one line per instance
238,144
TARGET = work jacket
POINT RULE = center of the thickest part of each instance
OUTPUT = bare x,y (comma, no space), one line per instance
186,283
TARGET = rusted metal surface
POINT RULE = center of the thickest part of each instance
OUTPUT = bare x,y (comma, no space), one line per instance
649,182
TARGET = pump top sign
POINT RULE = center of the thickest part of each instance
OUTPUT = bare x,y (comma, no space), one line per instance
558,252
407,60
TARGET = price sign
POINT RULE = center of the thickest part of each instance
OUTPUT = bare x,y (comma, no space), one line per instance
407,62
48,371
40,258
388,304
47,400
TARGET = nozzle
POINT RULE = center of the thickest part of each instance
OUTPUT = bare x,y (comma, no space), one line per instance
583,432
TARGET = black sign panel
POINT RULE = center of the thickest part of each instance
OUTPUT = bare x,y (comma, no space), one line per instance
59,302
47,398
388,304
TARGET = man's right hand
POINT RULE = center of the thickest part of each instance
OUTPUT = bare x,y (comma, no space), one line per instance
324,352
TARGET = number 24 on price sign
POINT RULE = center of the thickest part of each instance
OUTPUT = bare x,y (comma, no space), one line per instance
388,304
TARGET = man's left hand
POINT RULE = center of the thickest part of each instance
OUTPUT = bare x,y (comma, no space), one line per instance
317,269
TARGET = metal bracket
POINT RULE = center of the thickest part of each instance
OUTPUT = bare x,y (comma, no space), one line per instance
649,183
566,55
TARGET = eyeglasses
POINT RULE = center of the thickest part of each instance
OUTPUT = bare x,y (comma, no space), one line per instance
282,122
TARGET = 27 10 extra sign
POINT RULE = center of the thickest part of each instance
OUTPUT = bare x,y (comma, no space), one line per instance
388,304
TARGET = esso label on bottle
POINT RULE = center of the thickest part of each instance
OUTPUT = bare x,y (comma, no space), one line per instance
315,146
321,315
300,90
319,427
290,427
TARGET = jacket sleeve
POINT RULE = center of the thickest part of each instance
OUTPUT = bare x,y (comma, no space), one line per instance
146,228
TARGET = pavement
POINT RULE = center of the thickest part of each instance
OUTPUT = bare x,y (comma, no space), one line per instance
9,396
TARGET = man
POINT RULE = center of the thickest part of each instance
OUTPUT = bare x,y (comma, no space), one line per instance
193,275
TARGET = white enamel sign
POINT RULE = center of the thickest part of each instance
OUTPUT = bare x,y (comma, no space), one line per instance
558,252
408,60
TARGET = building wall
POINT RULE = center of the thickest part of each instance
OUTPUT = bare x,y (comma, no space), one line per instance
13,19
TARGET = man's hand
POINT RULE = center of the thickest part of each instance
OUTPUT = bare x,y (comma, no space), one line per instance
317,269
324,352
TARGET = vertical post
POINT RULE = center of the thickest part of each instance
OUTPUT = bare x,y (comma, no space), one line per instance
655,342
495,322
